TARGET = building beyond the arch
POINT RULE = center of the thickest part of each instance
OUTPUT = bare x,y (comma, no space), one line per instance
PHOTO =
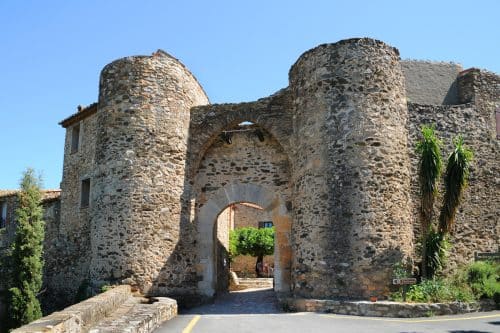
148,168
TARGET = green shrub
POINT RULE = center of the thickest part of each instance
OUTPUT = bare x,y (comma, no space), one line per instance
472,282
437,291
106,287
484,279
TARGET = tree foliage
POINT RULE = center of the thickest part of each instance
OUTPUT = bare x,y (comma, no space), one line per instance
253,242
26,258
455,182
434,241
430,167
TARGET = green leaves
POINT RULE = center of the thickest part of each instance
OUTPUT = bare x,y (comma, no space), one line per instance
27,249
251,241
434,244
436,252
430,168
429,149
455,182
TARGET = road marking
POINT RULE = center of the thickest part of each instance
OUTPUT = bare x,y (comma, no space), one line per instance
191,324
411,320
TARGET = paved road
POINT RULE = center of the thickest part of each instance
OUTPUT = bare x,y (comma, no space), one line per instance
258,311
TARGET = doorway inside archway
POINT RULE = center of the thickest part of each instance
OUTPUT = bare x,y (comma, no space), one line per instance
248,228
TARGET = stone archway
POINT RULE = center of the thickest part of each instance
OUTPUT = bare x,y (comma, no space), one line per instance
235,193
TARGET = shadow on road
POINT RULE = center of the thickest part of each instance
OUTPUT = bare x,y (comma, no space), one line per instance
469,331
250,301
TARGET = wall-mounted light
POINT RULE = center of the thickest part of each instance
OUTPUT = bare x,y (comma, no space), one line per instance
227,137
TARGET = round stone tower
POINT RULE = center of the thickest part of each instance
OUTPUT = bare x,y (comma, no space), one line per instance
138,188
350,169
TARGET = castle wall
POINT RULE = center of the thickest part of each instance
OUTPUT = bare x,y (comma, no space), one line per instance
70,259
350,169
336,170
430,82
140,229
477,227
245,160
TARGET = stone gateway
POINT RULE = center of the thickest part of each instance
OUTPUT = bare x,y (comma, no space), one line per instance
149,168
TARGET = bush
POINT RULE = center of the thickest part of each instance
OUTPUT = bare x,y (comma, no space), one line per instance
484,279
438,290
472,282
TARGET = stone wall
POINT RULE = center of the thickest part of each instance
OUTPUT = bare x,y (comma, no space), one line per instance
140,227
71,247
246,159
350,169
430,82
477,227
330,159
249,158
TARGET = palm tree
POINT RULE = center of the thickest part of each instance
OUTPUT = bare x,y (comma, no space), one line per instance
455,181
429,172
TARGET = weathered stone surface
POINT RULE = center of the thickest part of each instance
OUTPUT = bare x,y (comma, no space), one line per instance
350,169
477,227
380,309
430,82
139,229
113,311
330,158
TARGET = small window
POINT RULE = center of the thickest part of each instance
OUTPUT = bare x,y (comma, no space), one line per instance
85,198
3,214
75,138
265,224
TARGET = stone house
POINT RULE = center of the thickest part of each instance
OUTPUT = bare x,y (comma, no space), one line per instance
150,166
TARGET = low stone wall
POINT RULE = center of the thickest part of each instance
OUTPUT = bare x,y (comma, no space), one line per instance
116,310
383,308
83,314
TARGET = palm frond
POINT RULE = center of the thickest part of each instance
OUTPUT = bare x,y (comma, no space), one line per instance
455,182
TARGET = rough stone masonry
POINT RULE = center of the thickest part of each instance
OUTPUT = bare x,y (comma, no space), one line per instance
150,166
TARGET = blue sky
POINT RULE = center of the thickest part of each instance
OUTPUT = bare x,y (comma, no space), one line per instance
51,52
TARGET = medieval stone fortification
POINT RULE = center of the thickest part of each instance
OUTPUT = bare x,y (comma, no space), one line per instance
151,165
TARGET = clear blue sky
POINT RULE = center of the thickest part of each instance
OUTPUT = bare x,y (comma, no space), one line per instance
51,52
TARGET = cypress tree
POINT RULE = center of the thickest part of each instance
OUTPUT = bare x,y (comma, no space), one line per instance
27,248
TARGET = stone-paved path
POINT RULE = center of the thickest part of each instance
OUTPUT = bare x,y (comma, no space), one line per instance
248,301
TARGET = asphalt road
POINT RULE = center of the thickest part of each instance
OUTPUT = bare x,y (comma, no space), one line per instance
258,311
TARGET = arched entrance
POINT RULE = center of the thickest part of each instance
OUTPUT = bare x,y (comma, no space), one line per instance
235,193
